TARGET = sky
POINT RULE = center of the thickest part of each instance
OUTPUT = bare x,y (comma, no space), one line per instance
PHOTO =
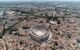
39,0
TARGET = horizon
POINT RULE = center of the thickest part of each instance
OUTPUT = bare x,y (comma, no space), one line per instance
35,0
38,1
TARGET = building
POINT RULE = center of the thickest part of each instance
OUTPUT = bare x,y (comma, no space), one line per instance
39,33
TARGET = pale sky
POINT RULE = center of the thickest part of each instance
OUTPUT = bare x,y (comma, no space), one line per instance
39,0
